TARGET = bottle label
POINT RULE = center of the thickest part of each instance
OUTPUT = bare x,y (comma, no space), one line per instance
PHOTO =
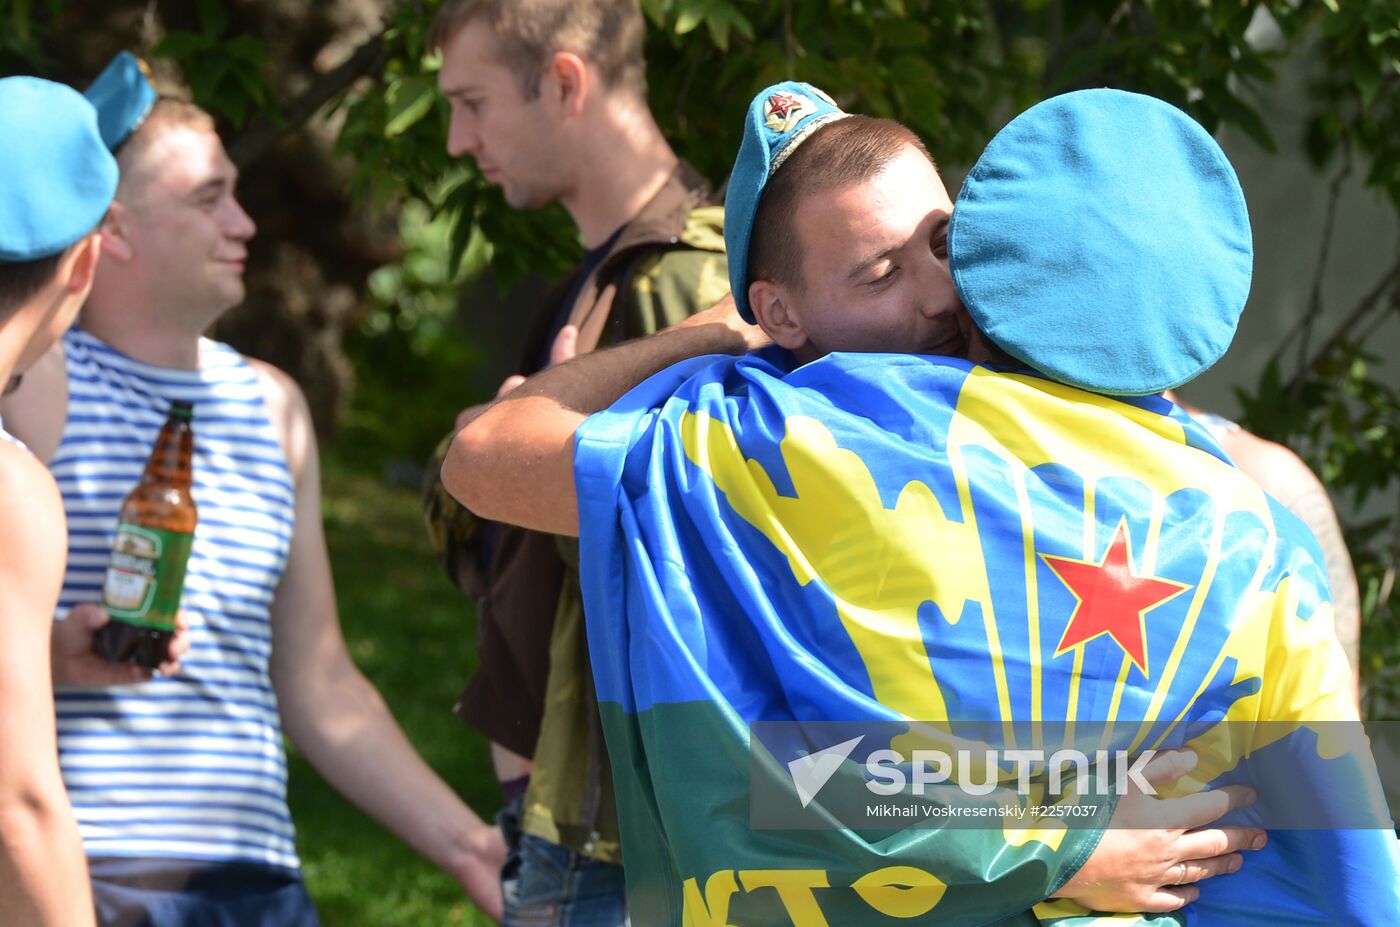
146,576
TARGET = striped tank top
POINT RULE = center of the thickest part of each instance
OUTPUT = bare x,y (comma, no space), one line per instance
191,766
11,439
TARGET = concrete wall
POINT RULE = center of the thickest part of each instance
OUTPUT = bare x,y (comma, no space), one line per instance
1288,204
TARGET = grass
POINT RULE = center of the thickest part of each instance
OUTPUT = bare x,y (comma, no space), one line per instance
411,633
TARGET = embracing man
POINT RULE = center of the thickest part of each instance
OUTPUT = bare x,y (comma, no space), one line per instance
1032,540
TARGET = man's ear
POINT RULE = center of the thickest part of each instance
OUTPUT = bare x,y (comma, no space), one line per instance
114,233
79,265
774,310
573,81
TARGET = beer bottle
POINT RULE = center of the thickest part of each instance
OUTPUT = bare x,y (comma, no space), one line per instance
155,529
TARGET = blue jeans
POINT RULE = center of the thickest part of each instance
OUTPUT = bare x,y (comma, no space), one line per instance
181,893
547,885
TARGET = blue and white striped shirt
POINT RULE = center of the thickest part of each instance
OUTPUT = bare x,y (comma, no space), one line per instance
11,439
192,766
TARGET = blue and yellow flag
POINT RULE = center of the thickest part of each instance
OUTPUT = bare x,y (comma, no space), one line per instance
931,546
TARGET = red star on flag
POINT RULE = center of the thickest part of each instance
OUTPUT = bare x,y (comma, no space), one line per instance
1113,598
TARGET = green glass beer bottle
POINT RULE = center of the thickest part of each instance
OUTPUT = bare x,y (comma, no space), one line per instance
155,530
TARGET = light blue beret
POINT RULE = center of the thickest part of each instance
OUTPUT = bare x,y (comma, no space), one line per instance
122,96
1102,239
779,119
56,177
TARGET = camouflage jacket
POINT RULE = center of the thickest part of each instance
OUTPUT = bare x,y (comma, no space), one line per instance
533,691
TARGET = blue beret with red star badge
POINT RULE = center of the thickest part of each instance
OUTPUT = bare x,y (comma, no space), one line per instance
779,119
123,97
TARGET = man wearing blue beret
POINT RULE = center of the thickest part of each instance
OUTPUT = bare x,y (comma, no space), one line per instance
1014,551
179,781
56,181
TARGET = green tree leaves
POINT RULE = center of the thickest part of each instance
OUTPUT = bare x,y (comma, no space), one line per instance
227,76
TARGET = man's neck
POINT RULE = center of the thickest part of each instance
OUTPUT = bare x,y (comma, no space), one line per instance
141,333
626,161
14,337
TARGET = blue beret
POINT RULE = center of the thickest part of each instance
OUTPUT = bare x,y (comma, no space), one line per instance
1102,239
779,119
123,97
56,177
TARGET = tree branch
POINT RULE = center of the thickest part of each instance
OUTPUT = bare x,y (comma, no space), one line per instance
265,132
1390,279
789,39
1088,34
1304,328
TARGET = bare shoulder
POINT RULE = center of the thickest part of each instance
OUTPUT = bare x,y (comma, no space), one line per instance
30,509
1276,468
37,411
289,414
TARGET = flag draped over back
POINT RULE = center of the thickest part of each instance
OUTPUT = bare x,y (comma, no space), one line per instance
894,538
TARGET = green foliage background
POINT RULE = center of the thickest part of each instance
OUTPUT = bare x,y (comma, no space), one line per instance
955,71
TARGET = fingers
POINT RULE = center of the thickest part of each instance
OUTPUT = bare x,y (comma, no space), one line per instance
94,671
72,637
177,647
1168,766
92,615
1170,898
565,345
508,384
171,665
469,414
1198,870
1192,811
1220,841
129,674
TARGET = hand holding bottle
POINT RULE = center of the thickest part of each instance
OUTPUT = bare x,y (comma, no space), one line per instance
75,663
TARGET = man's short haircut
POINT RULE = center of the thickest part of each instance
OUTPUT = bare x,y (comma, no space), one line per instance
167,113
838,155
20,280
606,33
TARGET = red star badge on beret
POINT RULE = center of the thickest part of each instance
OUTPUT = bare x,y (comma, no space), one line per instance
1113,598
782,110
782,104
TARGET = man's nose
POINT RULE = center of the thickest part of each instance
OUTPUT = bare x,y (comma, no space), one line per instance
239,224
938,296
461,139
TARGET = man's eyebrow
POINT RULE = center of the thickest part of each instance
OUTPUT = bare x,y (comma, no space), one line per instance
458,90
939,225
868,262
216,184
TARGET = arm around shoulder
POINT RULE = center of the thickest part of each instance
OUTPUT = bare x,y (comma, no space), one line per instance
515,462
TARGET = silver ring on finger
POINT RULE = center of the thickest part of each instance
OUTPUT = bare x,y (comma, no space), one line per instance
1180,874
